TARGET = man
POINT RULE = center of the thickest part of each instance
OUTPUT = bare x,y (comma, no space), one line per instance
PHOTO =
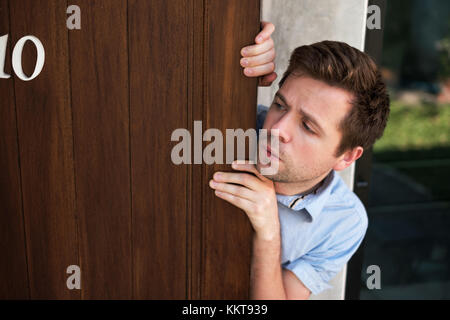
330,106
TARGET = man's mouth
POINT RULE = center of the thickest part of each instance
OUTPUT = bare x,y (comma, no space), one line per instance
270,154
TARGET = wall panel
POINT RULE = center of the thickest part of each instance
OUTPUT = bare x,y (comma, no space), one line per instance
86,174
99,78
46,148
13,265
158,42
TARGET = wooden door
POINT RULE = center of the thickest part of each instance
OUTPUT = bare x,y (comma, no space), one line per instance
86,176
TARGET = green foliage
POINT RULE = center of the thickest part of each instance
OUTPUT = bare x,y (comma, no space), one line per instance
412,127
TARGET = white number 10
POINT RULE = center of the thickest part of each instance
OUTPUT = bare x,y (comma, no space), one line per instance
17,57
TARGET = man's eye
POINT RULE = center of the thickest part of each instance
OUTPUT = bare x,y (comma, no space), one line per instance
279,106
307,127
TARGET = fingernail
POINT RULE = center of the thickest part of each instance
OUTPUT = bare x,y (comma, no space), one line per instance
248,71
212,183
217,176
259,39
244,52
244,62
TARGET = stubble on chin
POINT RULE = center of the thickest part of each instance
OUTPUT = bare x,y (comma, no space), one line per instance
280,176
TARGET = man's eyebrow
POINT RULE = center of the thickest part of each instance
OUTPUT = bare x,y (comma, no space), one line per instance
301,112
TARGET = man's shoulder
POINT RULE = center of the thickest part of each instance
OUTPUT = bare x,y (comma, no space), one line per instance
261,108
261,112
347,205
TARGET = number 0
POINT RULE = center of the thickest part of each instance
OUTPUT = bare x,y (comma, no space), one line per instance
17,57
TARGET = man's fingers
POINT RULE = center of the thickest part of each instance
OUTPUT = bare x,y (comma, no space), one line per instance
267,68
245,165
267,29
264,58
245,179
241,203
267,80
257,49
233,189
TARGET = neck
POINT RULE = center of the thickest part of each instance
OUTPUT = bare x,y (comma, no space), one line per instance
289,189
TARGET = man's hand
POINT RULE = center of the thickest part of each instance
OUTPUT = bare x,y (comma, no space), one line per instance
258,59
255,194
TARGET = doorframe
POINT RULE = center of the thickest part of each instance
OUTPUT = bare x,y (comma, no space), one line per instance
373,45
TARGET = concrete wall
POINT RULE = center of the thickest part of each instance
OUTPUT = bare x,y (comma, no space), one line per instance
300,22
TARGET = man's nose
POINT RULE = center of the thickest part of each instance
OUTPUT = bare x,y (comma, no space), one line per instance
285,126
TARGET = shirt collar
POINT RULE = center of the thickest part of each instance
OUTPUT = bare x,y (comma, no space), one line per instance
313,203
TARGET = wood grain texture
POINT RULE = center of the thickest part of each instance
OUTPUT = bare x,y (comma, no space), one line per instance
99,77
158,44
230,103
13,264
46,150
196,99
86,175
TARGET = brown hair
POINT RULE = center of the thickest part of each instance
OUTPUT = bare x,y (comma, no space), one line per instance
340,65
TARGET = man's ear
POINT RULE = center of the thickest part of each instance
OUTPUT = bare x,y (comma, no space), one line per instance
348,158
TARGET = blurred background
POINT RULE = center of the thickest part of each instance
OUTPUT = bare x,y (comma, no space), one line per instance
409,198
404,182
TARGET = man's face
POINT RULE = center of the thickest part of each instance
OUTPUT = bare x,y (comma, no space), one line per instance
307,113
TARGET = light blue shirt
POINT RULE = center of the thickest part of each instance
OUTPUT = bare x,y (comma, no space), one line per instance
320,232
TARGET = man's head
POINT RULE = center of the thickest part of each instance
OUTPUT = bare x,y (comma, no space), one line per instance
332,104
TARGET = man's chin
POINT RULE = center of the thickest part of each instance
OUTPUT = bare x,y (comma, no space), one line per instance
268,171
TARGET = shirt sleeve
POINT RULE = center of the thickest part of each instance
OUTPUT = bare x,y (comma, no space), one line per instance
317,267
261,113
